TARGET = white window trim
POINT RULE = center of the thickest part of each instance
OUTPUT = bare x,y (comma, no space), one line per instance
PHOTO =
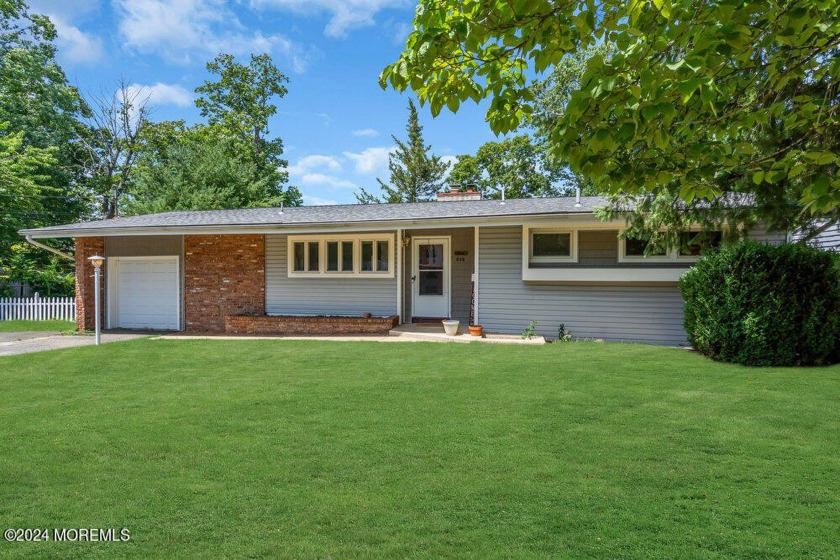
322,256
527,245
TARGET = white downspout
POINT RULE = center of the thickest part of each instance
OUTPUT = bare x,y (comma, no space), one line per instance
48,248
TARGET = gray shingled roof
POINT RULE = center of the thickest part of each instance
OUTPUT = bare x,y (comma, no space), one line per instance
331,215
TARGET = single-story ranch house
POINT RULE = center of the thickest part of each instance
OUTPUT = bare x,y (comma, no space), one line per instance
322,269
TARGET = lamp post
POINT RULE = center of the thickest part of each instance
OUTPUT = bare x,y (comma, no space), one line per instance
97,261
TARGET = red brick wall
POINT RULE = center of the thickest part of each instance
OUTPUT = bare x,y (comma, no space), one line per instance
85,300
223,275
309,325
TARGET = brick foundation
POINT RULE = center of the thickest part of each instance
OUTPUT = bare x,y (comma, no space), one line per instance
223,275
85,300
253,324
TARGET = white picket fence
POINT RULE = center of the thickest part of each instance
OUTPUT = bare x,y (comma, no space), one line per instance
38,308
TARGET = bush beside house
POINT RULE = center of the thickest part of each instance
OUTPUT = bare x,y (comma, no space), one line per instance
761,305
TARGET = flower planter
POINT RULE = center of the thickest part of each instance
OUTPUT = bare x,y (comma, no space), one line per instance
476,330
451,327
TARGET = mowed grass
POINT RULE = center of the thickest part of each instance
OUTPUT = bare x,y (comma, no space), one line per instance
34,326
316,449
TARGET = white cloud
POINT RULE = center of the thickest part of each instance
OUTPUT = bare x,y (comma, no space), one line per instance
328,180
401,32
371,160
161,94
177,30
451,160
366,133
74,45
308,163
316,201
344,14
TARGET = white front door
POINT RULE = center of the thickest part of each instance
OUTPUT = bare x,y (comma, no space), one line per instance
430,277
143,293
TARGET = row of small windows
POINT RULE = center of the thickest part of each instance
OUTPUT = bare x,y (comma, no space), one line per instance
340,256
559,246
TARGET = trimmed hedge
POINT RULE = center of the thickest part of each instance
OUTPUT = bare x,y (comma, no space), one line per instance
765,305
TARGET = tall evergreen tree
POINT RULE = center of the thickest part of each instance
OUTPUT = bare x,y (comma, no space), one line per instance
416,174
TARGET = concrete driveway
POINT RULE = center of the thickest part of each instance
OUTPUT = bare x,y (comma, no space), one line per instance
15,336
26,342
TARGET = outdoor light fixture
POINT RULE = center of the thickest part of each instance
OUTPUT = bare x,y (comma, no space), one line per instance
97,262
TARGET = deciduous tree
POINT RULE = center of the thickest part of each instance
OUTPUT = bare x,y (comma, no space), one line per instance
701,99
241,102
195,169
42,181
112,143
515,164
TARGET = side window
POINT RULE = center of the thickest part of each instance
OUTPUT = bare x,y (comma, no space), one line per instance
314,255
694,244
299,256
382,256
551,246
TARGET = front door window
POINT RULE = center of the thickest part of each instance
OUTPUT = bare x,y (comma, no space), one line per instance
431,269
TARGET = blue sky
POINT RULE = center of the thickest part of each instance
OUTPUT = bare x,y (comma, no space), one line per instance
336,122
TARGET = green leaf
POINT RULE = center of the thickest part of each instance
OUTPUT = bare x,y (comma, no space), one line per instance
821,158
664,7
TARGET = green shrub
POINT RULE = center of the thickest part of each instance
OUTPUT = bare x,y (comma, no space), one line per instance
765,305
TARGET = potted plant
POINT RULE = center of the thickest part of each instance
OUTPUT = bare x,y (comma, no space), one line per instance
450,327
476,330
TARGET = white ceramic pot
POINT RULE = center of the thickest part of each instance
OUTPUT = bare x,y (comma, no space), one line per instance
451,327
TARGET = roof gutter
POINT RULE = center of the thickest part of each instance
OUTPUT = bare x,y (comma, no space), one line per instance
48,248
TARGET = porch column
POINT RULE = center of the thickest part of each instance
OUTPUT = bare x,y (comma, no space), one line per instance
400,283
475,276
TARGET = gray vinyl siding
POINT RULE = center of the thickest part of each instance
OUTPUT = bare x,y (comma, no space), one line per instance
322,296
761,235
828,240
630,312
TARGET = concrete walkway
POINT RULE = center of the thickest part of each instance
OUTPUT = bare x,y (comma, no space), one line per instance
22,343
435,333
404,333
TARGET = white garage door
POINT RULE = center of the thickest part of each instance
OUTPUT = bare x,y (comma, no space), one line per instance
144,293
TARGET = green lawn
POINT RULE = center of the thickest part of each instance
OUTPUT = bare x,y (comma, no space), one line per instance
32,326
316,449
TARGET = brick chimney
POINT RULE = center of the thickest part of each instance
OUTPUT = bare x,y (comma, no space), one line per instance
471,193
